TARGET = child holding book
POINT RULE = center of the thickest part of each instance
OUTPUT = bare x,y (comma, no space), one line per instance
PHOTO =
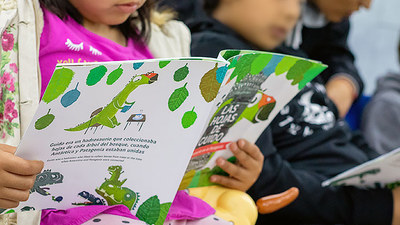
307,143
106,30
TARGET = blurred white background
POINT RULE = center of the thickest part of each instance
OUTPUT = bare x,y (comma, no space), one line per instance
374,38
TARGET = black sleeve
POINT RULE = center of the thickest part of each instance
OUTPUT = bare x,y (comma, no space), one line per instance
187,10
329,45
316,204
214,45
209,44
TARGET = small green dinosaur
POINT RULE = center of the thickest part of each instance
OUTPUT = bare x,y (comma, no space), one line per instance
107,116
113,192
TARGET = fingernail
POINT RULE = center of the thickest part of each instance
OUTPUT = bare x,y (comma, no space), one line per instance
213,179
241,143
221,162
233,147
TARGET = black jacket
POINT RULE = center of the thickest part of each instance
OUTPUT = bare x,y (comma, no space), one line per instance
329,45
305,145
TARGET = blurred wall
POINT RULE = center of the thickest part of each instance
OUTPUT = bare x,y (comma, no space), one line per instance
374,38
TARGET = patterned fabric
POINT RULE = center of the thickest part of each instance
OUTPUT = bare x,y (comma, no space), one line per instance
9,92
105,219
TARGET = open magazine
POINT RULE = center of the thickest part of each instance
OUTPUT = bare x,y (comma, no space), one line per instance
124,132
381,172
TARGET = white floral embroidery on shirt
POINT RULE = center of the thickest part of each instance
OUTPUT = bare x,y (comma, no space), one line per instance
74,47
95,51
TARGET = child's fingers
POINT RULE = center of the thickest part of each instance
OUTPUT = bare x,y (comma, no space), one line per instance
228,182
242,157
10,180
7,204
232,169
23,167
250,149
14,194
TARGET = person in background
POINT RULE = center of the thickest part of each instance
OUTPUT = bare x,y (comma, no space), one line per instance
380,120
322,35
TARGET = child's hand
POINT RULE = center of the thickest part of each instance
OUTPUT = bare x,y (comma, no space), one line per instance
245,172
17,177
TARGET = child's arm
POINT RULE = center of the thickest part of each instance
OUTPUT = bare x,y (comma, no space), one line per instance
245,172
17,177
396,206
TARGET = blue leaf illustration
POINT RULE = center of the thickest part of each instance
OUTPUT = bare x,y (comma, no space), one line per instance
70,97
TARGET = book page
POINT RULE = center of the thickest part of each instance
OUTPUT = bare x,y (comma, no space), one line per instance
381,172
118,133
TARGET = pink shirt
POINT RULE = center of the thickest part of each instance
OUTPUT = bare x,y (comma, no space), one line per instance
66,41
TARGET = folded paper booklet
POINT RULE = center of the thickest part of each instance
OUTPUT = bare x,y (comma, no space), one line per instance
124,132
381,172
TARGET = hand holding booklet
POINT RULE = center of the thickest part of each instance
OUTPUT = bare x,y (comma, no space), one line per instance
127,132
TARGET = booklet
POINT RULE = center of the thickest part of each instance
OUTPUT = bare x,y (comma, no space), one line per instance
124,132
381,172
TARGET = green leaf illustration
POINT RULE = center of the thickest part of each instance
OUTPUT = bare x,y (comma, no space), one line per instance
163,64
296,73
95,75
285,65
177,98
209,85
260,63
149,211
189,118
204,179
114,75
243,67
311,74
44,121
230,53
233,63
181,73
164,208
58,84
186,180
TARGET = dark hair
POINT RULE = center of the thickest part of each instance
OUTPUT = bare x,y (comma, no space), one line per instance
210,6
130,28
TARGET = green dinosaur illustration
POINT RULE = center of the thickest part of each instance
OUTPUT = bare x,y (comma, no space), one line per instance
113,192
107,116
360,175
